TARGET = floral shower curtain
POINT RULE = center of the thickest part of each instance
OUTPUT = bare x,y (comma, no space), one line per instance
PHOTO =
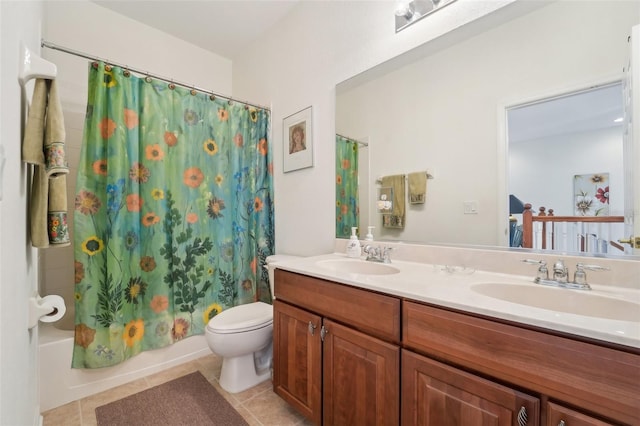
347,207
173,214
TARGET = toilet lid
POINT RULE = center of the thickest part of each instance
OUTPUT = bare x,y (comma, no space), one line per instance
242,318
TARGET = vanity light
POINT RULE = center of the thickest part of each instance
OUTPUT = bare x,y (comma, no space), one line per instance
409,11
618,120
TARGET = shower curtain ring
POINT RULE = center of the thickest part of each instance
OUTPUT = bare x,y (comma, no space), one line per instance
171,85
126,71
193,90
212,96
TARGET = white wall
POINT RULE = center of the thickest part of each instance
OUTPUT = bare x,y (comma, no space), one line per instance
91,29
298,64
457,92
538,165
20,21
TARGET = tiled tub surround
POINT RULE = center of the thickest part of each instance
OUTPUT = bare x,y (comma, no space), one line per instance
423,278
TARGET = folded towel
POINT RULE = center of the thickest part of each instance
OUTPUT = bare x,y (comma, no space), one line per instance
57,227
55,158
396,218
417,187
34,131
43,146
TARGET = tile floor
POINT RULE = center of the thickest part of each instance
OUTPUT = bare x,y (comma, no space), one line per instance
259,405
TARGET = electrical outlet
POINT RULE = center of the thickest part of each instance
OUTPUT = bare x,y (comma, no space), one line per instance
470,207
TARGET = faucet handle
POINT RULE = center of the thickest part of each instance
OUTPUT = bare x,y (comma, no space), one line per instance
581,266
543,272
580,276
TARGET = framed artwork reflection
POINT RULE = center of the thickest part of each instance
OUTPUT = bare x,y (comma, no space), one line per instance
297,140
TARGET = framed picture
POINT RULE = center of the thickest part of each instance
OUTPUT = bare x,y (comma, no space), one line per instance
297,141
591,194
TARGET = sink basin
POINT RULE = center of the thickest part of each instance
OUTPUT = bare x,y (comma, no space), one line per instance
356,266
578,302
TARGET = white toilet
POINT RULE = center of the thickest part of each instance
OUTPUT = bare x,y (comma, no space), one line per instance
243,337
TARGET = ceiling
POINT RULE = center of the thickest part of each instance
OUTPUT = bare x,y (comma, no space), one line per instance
224,27
585,111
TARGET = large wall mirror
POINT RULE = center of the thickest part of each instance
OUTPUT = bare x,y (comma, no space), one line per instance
446,114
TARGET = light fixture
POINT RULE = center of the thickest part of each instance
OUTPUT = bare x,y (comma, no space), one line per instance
409,11
618,120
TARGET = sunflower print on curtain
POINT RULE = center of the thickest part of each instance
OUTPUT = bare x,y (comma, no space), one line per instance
173,214
347,207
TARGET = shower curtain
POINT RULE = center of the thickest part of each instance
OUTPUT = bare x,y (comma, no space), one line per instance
347,208
173,214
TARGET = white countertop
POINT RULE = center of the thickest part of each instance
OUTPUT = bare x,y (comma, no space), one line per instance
453,287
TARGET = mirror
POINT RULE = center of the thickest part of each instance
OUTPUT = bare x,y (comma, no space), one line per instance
445,113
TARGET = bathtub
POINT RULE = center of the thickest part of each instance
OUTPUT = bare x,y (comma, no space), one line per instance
60,384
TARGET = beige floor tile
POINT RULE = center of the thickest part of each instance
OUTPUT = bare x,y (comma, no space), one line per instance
256,390
67,415
210,366
248,416
271,410
172,373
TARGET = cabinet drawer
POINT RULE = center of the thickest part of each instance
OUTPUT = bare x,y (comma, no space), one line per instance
372,313
605,380
435,394
557,415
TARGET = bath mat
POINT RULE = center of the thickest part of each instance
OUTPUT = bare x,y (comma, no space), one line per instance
188,400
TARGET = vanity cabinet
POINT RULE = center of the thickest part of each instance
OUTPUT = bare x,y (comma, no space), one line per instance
336,352
390,360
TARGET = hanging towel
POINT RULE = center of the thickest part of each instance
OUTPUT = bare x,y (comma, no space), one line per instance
43,146
417,187
396,218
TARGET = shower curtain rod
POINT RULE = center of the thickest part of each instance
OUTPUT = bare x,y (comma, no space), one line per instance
352,139
54,46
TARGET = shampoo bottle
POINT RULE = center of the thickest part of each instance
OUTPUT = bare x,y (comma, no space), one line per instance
353,246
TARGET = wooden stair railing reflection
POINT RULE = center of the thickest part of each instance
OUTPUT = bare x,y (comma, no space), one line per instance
528,219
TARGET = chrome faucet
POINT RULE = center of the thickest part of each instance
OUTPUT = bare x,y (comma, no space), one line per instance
377,254
561,274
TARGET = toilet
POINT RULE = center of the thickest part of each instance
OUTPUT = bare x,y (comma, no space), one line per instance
243,337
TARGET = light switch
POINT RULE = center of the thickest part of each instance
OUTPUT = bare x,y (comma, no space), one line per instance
470,207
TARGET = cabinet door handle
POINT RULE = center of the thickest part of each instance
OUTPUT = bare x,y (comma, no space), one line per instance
522,416
561,423
323,332
312,328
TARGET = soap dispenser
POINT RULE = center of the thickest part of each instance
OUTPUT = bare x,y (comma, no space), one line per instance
353,246
369,236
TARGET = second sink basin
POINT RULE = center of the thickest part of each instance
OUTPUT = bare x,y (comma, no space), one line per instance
578,302
357,266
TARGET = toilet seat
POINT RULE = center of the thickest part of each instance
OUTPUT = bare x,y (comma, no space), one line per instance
241,318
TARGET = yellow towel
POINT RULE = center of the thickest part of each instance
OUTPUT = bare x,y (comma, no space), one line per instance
417,187
43,146
396,218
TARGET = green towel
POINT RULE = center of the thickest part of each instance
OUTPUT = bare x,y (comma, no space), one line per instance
43,146
417,187
396,218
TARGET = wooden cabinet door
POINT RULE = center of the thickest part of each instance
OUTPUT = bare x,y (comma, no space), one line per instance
361,378
558,415
297,359
436,394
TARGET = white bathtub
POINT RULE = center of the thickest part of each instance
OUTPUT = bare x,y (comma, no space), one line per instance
60,384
